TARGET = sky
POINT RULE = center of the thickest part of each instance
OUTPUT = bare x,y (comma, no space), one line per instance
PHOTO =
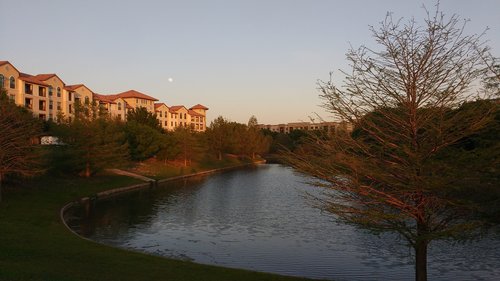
238,58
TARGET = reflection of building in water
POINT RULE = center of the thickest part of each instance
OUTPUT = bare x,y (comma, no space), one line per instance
308,126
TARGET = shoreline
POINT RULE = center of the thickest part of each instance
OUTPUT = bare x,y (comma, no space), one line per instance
114,192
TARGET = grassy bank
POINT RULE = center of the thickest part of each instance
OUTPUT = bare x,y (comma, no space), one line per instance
35,245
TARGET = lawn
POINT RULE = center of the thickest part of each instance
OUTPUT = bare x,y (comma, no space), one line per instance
35,245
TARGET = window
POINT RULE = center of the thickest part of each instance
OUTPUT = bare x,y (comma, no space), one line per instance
166,123
136,101
28,89
160,113
119,106
185,116
41,105
12,82
51,105
87,101
70,111
171,123
2,80
58,105
28,103
119,116
58,92
42,91
69,95
172,115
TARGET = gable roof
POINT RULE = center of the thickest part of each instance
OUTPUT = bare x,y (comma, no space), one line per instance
175,108
158,105
135,94
102,98
3,62
194,113
73,87
199,106
31,79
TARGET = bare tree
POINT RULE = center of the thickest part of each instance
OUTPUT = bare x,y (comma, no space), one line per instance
18,150
403,100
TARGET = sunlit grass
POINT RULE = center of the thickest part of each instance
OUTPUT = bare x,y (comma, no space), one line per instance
35,245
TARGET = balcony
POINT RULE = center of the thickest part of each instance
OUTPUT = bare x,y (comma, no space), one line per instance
28,89
28,103
42,91
42,106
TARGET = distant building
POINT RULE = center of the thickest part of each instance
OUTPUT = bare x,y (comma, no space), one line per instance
308,126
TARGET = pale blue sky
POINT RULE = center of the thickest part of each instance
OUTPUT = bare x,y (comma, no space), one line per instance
239,58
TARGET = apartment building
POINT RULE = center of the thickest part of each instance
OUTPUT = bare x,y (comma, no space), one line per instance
308,126
115,106
162,114
198,117
137,99
48,97
59,101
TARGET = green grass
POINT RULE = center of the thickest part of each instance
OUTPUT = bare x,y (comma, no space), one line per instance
161,170
35,245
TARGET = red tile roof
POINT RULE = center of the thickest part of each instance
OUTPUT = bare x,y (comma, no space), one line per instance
103,98
194,113
43,77
199,106
135,94
30,79
73,87
174,108
2,62
160,104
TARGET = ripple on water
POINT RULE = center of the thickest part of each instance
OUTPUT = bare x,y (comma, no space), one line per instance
259,219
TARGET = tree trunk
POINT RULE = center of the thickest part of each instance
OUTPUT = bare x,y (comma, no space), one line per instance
1,187
421,256
87,170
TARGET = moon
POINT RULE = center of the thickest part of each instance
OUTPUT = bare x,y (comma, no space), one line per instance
170,79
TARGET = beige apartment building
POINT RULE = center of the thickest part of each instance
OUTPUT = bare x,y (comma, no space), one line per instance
137,99
308,126
180,116
48,97
162,114
116,107
198,117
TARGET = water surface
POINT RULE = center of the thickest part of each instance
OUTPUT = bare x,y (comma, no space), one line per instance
260,219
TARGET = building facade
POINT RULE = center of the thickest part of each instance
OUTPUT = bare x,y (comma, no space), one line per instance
48,97
308,126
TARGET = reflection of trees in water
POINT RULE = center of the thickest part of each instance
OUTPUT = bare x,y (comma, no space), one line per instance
115,215
447,259
268,210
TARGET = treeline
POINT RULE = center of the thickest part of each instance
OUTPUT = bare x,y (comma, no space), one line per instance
91,141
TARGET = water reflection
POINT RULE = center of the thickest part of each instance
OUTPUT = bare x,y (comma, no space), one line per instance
258,219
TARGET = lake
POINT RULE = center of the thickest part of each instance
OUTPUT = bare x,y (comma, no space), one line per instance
261,219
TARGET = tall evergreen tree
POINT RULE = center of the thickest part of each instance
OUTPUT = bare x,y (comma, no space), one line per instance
92,141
